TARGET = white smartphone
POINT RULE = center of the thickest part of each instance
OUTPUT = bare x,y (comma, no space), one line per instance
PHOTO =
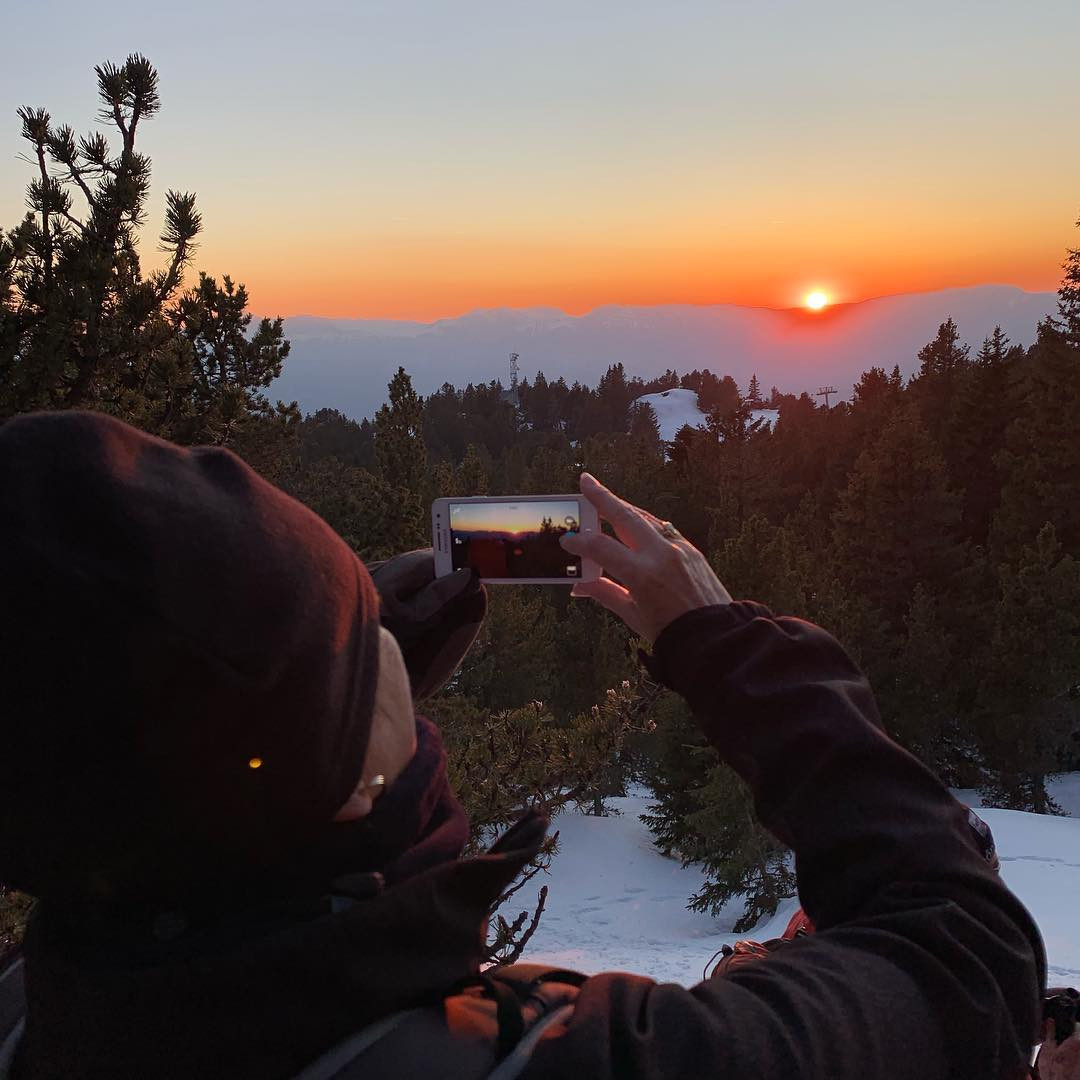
512,540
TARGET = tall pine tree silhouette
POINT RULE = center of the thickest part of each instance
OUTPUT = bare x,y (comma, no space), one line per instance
399,436
895,523
81,324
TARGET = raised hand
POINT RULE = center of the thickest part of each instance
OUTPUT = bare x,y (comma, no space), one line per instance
660,574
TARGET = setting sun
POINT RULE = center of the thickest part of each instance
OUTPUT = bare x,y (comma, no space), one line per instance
816,300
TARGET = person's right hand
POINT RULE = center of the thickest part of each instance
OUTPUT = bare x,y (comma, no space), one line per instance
661,576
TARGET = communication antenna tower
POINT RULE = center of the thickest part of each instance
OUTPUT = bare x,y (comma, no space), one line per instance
513,370
824,392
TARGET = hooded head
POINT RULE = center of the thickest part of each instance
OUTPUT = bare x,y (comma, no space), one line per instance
188,660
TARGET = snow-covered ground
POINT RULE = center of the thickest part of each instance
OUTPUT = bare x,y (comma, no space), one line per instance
676,408
616,904
768,417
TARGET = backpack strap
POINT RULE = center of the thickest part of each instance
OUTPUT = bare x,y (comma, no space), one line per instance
485,1027
546,998
334,1061
12,1008
511,1066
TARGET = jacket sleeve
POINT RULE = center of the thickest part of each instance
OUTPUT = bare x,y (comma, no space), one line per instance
925,965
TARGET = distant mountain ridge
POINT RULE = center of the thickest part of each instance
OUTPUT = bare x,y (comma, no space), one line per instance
346,363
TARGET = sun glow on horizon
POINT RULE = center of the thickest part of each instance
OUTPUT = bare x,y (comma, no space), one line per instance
816,300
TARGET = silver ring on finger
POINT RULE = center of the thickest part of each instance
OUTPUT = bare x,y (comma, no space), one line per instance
668,531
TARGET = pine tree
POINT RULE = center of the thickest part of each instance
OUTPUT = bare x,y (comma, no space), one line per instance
330,433
1040,463
644,424
230,365
551,470
857,622
591,656
514,659
633,463
643,473
741,858
1069,298
987,403
727,465
473,474
512,471
895,523
919,698
444,480
399,439
703,814
613,399
763,562
593,661
810,450
753,393
81,326
376,519
942,364
1028,702
501,763
945,355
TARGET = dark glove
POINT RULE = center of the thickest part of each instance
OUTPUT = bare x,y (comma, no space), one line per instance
434,620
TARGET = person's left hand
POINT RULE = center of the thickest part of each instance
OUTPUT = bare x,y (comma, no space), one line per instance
434,620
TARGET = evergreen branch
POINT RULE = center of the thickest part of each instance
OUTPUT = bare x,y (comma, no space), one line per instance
111,91
72,220
182,224
95,148
36,130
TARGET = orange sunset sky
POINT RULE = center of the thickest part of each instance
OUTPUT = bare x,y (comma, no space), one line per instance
419,160
512,518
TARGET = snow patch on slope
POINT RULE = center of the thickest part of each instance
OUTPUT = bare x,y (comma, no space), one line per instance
678,407
674,410
616,904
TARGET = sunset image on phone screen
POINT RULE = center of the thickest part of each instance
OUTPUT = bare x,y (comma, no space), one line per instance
514,539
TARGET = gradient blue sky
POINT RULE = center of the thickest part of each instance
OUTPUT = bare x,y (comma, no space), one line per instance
417,159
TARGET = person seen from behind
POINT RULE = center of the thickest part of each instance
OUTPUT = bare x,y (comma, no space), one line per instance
247,857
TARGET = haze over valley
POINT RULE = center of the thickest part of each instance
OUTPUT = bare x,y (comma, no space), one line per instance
346,363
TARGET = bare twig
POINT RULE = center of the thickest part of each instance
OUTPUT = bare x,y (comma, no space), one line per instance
519,945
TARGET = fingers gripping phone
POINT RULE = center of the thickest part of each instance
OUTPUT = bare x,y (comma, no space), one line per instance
512,540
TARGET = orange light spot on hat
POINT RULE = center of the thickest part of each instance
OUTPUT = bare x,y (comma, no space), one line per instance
255,763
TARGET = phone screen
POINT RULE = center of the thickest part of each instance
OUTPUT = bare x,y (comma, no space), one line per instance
518,538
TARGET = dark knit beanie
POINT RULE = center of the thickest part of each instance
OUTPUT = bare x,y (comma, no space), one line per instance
188,660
